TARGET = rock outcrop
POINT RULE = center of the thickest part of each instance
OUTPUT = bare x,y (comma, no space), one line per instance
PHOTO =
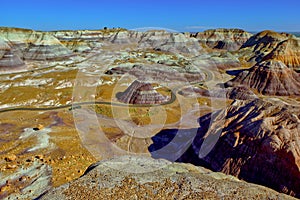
27,183
263,43
77,46
32,45
269,77
9,61
146,178
288,52
256,141
227,39
141,93
84,35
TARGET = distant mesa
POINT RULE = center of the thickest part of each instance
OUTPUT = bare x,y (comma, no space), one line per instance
34,45
142,93
9,60
171,42
227,39
158,39
85,40
269,77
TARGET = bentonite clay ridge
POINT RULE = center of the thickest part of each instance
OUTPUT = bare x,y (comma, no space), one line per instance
269,77
9,60
287,52
32,45
142,93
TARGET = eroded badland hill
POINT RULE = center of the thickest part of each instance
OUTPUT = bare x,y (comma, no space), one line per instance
223,99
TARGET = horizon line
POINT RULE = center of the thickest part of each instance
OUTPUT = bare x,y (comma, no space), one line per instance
147,29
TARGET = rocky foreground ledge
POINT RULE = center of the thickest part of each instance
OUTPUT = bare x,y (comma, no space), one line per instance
131,177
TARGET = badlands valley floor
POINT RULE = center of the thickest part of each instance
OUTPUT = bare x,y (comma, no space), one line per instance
223,99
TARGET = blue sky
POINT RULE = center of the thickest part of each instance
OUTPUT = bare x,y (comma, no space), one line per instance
184,15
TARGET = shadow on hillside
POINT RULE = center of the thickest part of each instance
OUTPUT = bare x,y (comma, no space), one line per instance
234,72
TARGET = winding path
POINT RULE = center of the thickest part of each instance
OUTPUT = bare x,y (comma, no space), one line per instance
77,105
209,77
